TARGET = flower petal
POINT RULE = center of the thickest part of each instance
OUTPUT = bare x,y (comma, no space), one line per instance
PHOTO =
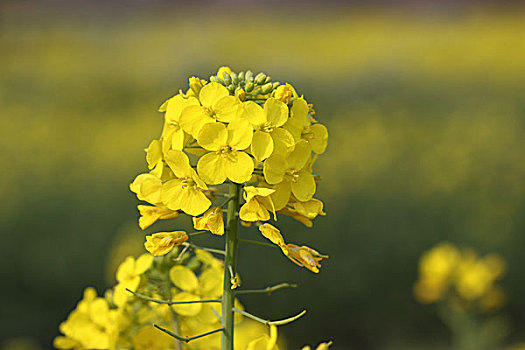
262,145
319,139
227,109
239,167
213,136
212,169
283,141
211,93
300,156
276,112
253,113
184,278
304,188
240,134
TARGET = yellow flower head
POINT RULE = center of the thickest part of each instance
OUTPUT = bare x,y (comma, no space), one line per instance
163,242
303,256
216,104
128,276
269,137
212,220
290,175
284,93
185,191
299,125
150,214
226,159
258,203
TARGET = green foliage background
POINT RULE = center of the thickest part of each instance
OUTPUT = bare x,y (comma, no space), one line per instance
427,137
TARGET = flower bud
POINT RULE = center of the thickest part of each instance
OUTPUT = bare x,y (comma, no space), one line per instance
227,78
235,78
249,87
267,80
266,88
231,88
260,78
241,76
240,94
248,75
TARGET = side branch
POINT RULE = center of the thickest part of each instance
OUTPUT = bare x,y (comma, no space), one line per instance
168,302
267,290
211,250
267,322
187,339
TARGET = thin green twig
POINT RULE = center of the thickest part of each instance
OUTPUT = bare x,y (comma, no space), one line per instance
249,241
268,290
187,339
211,250
267,322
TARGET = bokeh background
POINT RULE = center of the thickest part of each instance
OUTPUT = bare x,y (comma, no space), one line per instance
425,107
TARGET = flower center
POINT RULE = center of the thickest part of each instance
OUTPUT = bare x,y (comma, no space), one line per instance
307,133
225,151
188,182
267,127
166,241
292,175
210,112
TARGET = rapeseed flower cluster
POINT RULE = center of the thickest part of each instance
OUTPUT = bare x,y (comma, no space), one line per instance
235,128
124,320
461,277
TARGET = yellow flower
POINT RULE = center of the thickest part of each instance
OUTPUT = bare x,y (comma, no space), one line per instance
223,69
265,342
184,192
258,203
428,290
154,154
274,235
212,220
321,346
172,133
226,159
290,175
268,137
128,276
284,93
473,276
147,187
150,214
216,105
92,325
150,338
303,256
304,212
163,242
299,125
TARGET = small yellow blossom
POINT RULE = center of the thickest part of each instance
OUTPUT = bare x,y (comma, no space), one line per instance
162,243
150,338
274,235
128,276
290,175
303,256
150,214
148,188
268,138
226,159
299,125
321,346
212,220
172,133
284,93
265,342
185,191
258,203
304,212
216,104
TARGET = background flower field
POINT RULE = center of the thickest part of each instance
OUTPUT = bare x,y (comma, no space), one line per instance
426,117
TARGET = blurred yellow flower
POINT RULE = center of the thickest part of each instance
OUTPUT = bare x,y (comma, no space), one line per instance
226,159
162,243
150,338
212,220
128,276
265,342
274,235
321,346
304,212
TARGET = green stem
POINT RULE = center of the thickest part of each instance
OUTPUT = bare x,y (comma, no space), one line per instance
169,302
267,290
249,241
186,339
232,225
269,323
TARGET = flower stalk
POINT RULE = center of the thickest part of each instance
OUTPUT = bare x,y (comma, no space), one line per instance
232,225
